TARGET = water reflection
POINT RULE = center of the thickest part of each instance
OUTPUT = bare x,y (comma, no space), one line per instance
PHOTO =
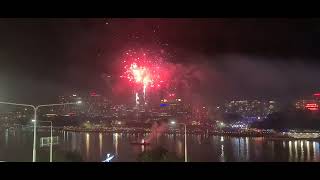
73,141
222,157
243,149
239,149
199,139
115,142
290,151
302,151
222,153
180,152
100,144
272,149
258,146
87,144
234,147
308,151
7,136
314,151
67,135
295,150
247,148
217,148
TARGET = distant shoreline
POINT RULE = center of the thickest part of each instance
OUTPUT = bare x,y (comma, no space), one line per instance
269,136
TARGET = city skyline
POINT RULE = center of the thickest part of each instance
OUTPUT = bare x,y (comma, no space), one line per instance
159,90
217,59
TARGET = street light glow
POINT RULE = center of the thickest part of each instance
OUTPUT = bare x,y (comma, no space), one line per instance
185,139
221,124
35,109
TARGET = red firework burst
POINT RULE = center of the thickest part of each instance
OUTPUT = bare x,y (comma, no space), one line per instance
144,68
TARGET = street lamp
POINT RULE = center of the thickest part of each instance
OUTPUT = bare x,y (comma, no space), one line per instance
185,139
51,139
35,109
221,124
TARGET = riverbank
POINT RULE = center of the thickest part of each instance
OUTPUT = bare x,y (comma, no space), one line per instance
135,130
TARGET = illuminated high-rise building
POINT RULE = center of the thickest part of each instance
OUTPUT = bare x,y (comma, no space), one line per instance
254,108
68,109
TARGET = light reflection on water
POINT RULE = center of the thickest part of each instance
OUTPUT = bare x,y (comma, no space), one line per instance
115,142
222,153
308,151
290,151
295,151
222,158
180,151
95,146
73,141
100,144
7,136
302,151
314,151
247,149
87,144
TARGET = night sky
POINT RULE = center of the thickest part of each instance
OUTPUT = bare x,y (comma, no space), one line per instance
226,58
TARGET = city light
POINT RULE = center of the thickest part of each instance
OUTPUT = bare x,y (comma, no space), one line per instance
149,89
312,106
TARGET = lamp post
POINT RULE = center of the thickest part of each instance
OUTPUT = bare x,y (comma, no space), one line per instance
185,139
51,138
35,109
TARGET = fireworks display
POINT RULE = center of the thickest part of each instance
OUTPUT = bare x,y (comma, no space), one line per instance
145,69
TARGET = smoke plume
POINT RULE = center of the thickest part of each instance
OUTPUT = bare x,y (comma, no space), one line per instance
157,129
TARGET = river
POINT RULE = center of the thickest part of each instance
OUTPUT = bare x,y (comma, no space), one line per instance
16,145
